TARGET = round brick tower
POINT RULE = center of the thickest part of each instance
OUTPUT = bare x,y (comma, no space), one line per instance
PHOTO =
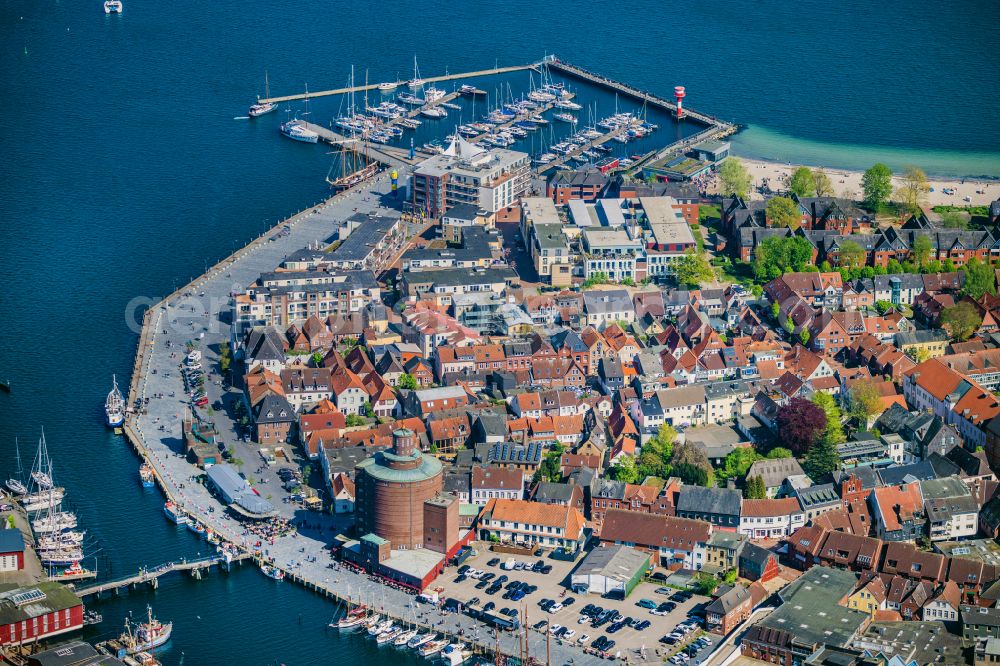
392,487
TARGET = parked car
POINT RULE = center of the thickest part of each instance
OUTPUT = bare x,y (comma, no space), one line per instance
554,608
646,603
583,639
663,590
494,562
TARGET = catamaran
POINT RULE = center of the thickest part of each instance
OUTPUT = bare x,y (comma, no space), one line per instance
114,405
260,108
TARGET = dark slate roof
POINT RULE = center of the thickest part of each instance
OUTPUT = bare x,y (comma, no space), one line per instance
900,474
549,491
817,495
720,501
755,554
867,474
275,409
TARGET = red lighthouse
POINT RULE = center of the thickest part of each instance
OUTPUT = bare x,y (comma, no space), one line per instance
679,96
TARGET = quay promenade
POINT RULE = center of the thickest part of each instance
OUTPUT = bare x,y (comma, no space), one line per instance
200,311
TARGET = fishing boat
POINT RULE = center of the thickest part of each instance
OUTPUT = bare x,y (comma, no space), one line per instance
197,528
145,636
146,475
272,572
174,513
260,108
416,81
433,112
420,640
90,616
114,405
455,654
403,637
113,7
388,635
296,131
432,647
146,659
16,487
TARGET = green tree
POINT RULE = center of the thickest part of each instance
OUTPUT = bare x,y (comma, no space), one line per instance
877,185
654,459
852,255
737,463
954,220
918,354
755,488
693,475
407,381
865,402
834,431
803,182
706,584
979,279
775,311
625,470
821,459
912,193
788,325
317,359
693,269
804,336
354,420
961,320
824,188
776,256
778,452
734,179
783,212
922,248
225,357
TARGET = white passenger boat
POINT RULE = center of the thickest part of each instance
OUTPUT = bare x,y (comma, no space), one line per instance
113,7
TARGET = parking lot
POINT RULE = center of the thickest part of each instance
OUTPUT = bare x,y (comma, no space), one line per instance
565,608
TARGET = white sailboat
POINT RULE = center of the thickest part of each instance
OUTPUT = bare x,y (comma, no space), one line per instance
416,81
114,405
260,108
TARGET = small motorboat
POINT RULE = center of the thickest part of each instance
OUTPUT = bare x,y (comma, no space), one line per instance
273,572
113,7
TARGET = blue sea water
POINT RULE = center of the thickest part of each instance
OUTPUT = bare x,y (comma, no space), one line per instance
124,173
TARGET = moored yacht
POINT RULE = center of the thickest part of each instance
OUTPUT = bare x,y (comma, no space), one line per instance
16,487
114,405
296,131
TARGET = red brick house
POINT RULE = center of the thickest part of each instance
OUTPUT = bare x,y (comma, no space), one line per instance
36,613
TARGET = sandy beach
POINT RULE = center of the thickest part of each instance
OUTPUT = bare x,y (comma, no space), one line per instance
847,184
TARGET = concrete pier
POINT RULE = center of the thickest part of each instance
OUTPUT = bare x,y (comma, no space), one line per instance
374,86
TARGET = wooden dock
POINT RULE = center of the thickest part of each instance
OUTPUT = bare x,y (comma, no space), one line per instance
388,155
374,86
563,159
